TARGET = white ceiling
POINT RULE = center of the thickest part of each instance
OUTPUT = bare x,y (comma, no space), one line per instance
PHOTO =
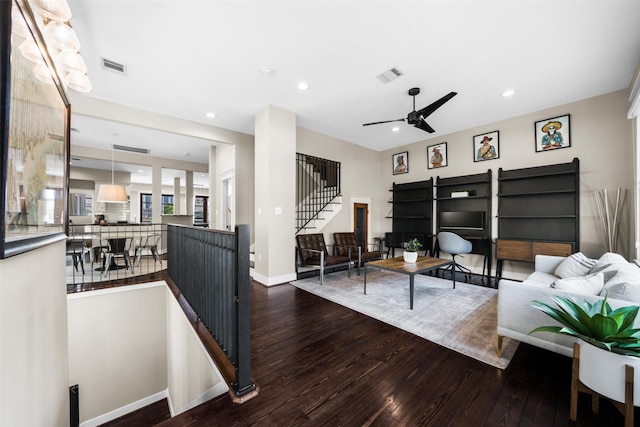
186,58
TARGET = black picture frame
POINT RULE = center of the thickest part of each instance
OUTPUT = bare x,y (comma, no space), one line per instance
437,156
559,126
400,163
34,156
486,146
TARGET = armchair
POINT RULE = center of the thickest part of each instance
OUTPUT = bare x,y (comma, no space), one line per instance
346,244
312,252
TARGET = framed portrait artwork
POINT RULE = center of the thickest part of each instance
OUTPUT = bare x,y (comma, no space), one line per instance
553,133
401,163
437,156
35,140
486,146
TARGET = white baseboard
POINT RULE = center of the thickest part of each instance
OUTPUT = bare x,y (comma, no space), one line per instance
270,281
124,410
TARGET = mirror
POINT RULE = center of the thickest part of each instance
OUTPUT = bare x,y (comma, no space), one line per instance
80,204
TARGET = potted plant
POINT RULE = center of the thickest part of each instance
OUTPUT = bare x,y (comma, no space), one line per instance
608,341
410,253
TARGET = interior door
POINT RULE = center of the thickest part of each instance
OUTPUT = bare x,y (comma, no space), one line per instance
360,216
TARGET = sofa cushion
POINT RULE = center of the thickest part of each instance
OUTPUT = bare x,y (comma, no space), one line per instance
575,265
606,260
625,291
583,285
540,279
624,284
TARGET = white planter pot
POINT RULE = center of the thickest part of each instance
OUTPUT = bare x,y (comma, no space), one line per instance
603,372
410,256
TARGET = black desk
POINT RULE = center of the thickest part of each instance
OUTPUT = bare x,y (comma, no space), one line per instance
479,246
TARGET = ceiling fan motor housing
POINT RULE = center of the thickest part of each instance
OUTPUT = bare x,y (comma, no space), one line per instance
413,117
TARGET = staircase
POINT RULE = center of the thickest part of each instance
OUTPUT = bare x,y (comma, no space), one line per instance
318,197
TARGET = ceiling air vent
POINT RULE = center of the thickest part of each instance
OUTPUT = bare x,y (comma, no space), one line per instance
131,149
389,75
114,66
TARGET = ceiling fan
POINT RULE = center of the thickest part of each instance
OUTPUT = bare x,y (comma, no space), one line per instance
417,118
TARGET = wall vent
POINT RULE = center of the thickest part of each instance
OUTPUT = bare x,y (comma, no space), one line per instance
131,149
389,75
107,64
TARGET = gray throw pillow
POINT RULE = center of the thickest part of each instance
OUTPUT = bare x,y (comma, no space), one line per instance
575,265
607,259
584,285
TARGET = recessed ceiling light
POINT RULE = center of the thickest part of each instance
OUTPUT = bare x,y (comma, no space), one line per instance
211,115
186,154
395,128
508,92
303,86
266,71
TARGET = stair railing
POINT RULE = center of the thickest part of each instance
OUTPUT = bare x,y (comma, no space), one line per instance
317,185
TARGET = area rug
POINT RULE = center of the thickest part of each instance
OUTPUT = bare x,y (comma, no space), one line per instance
462,319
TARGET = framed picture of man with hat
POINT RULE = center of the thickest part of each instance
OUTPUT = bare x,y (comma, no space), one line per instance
553,133
486,146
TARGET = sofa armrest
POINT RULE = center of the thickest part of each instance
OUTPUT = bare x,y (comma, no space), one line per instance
548,263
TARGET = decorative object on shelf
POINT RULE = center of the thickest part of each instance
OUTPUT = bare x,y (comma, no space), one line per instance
459,193
607,353
553,133
486,146
437,155
410,253
401,163
610,216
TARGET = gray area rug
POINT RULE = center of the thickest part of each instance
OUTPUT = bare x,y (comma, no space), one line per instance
463,319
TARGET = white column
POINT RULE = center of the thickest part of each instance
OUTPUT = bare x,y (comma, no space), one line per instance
156,196
177,203
189,201
275,180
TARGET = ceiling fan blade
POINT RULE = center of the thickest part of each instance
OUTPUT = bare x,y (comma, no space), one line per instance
386,121
426,111
424,126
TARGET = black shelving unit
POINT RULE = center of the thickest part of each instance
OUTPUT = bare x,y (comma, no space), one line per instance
538,212
412,214
479,187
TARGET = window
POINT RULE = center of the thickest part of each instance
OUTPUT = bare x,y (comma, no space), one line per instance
200,210
146,210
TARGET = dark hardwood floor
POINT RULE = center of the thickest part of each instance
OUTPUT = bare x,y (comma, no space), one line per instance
320,364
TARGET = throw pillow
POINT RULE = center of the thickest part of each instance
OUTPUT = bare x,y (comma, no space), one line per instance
607,259
624,290
575,265
585,285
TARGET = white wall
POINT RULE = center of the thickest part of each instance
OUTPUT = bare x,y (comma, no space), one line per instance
34,385
192,378
360,178
117,346
131,346
601,137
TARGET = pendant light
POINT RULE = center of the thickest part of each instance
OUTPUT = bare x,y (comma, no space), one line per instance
112,193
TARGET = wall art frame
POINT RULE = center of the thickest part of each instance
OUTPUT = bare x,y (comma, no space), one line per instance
34,153
486,146
437,156
400,163
552,134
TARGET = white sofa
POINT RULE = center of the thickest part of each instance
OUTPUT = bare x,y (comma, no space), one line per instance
621,279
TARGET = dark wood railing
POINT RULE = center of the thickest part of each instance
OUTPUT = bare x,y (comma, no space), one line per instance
318,184
211,270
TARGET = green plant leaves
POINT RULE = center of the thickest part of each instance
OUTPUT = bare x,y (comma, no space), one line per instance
594,323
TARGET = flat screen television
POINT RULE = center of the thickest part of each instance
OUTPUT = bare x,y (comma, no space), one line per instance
462,220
